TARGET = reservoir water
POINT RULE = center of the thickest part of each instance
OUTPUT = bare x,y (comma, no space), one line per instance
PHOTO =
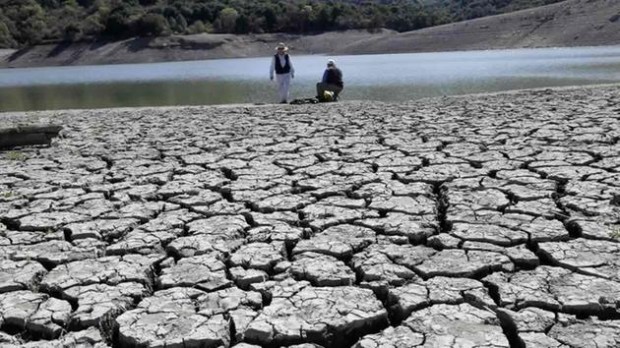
385,77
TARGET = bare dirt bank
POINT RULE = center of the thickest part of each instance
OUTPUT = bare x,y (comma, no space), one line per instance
176,48
564,24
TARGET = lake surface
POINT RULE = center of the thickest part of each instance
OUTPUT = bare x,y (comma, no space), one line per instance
385,77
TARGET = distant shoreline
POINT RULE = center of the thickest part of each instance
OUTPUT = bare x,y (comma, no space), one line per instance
178,48
150,55
571,23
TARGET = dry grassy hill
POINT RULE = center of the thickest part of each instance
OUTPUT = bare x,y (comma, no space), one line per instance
568,23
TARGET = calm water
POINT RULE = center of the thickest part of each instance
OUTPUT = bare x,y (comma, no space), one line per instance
386,77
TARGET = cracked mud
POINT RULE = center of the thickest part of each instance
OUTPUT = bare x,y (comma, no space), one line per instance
479,221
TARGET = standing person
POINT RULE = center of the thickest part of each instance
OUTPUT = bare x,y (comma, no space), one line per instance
332,81
283,67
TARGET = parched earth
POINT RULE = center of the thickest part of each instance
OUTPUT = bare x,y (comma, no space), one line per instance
479,221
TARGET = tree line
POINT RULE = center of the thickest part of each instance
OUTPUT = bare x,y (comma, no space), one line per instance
31,22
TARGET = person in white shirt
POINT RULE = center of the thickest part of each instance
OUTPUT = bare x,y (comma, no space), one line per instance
282,66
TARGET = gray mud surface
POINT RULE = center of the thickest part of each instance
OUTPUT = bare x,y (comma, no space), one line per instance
478,221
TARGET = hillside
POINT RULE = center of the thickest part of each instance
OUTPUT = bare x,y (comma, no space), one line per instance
32,22
564,24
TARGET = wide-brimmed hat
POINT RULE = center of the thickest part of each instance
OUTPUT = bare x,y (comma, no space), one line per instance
281,46
331,62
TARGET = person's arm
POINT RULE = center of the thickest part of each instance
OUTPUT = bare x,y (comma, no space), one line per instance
272,69
290,62
324,79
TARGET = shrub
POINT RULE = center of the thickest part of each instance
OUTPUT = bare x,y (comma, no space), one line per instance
152,24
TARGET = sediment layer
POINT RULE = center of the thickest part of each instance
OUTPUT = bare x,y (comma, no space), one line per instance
478,221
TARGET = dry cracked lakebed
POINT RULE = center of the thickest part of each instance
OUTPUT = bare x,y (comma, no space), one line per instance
479,221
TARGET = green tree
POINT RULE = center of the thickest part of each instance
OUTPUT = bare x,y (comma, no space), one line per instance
6,39
86,3
70,3
242,25
198,27
305,16
324,19
30,18
271,20
28,22
121,21
93,25
227,20
50,3
152,24
72,32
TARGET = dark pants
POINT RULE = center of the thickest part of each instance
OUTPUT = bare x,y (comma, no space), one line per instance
321,87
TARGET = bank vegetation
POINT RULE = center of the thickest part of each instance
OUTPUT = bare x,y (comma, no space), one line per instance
32,22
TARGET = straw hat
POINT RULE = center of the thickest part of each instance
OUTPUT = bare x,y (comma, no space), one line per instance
281,47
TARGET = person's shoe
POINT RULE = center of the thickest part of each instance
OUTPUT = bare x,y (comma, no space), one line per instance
284,102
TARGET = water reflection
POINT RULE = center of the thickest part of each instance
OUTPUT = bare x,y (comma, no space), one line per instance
223,92
85,96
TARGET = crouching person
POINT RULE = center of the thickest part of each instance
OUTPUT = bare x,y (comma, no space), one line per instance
331,85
